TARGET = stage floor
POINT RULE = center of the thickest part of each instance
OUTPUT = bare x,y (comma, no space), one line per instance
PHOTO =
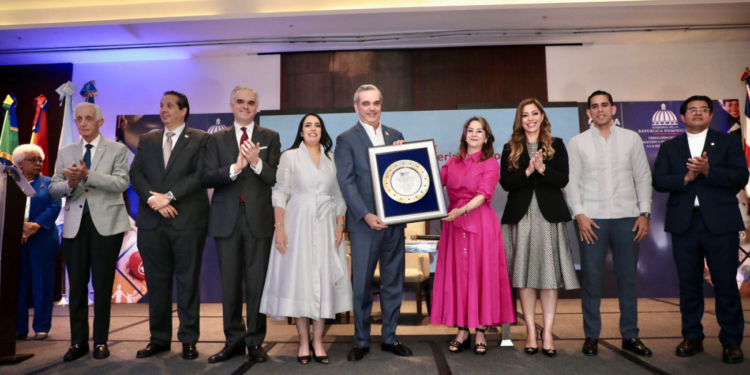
659,324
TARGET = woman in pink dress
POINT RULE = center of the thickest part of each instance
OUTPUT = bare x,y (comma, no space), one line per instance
471,287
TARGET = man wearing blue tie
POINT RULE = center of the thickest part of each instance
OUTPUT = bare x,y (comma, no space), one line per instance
371,240
91,174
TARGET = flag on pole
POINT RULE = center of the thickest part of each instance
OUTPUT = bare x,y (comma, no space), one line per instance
89,91
746,78
69,132
9,137
39,133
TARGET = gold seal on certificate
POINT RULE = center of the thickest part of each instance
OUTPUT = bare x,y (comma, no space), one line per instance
406,181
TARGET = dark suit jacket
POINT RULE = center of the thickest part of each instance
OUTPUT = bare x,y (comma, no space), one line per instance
548,188
182,177
44,210
221,154
727,175
353,173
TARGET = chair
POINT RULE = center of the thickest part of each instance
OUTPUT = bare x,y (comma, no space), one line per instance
417,277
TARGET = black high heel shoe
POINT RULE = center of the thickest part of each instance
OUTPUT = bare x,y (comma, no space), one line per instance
548,352
305,359
480,348
460,345
322,359
529,350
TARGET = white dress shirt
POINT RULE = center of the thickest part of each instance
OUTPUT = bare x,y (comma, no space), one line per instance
697,142
609,178
177,132
238,132
376,135
94,143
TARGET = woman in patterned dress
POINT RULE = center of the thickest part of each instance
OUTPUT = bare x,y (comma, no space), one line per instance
472,289
534,170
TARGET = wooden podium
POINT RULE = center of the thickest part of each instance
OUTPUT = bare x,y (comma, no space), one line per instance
13,192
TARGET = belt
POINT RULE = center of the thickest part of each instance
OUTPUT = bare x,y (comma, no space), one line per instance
696,210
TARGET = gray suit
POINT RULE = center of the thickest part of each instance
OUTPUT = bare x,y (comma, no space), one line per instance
92,240
369,246
108,178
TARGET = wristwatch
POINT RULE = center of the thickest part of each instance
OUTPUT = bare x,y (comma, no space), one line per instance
647,215
170,196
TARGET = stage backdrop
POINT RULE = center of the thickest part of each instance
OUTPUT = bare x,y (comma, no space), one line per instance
657,122
442,126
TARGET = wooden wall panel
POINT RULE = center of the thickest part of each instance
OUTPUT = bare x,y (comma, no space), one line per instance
421,79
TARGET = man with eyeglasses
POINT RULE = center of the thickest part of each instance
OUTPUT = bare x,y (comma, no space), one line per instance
703,170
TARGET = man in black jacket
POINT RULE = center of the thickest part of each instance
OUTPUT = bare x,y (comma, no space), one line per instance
166,174
241,163
703,170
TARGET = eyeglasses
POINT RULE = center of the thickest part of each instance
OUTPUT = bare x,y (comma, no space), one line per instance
693,111
35,160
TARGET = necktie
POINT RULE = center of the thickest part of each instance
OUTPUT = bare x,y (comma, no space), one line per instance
243,138
167,148
87,161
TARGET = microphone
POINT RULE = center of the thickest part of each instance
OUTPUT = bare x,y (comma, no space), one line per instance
424,237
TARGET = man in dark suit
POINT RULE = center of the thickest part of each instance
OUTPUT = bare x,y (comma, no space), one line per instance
703,170
371,239
172,218
241,164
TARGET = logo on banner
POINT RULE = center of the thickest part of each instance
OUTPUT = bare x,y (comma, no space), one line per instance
664,119
216,127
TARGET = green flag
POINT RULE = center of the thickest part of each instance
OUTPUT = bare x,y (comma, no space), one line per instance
9,137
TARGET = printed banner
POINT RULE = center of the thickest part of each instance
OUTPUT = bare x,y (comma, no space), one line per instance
657,122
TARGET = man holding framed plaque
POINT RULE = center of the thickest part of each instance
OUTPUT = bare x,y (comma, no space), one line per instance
371,239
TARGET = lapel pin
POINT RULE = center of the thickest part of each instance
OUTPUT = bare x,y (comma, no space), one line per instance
41,186
187,136
386,133
712,143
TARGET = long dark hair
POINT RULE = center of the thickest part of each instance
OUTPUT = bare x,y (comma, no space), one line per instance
325,139
488,148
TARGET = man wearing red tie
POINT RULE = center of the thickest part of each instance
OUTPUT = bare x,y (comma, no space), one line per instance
241,166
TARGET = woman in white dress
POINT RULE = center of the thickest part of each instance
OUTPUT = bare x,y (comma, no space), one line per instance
308,277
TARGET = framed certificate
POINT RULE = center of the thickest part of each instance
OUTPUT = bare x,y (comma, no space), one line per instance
406,182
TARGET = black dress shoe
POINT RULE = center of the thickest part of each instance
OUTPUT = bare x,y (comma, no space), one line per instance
636,346
152,349
101,351
320,359
590,346
358,352
688,348
732,354
76,351
21,336
226,353
189,351
257,354
397,348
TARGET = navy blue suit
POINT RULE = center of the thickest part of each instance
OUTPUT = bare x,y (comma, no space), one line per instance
37,260
368,246
710,231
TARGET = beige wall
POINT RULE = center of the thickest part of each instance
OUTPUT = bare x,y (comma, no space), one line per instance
644,72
